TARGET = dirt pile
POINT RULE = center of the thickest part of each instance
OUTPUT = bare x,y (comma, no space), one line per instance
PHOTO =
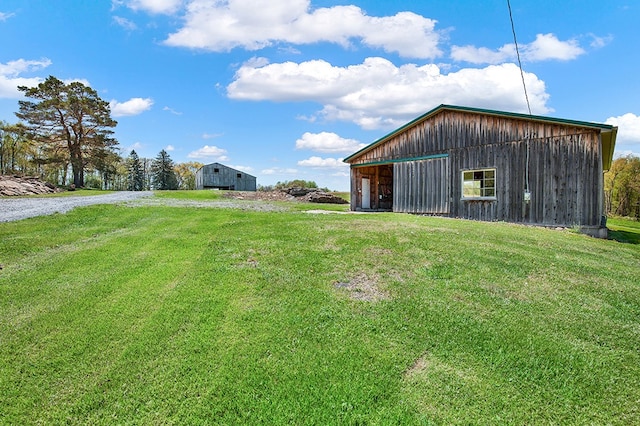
258,195
324,197
309,195
17,185
314,195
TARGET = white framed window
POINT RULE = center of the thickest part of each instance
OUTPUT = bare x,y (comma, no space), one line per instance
479,184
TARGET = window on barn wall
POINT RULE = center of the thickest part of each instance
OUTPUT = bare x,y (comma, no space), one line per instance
239,175
216,170
479,184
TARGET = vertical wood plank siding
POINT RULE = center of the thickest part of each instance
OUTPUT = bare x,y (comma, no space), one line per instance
563,162
419,186
224,178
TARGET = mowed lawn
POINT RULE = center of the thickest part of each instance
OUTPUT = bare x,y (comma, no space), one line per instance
197,315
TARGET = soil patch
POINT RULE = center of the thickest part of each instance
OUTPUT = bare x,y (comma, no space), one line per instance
362,287
309,195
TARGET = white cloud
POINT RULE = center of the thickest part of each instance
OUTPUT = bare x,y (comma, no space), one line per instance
290,81
246,169
628,139
322,162
171,110
547,46
10,72
155,6
483,55
254,24
137,147
4,16
133,106
628,128
626,152
310,118
125,23
599,42
279,171
544,47
19,66
170,148
378,94
209,152
328,142
211,135
77,80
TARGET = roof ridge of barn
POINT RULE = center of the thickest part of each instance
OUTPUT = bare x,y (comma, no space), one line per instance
608,131
230,168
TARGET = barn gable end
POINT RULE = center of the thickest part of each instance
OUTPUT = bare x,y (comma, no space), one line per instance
219,176
488,165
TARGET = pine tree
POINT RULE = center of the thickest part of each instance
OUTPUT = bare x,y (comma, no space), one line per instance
163,175
136,173
71,117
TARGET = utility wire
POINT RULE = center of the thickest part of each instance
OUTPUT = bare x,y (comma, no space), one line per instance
526,96
513,29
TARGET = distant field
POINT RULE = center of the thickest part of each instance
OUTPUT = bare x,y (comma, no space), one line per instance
193,315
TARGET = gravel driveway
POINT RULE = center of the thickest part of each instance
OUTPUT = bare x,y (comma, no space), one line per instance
22,208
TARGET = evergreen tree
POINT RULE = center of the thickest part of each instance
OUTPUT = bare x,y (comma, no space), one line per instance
68,117
136,173
162,172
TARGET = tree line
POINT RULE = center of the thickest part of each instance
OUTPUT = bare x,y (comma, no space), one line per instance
65,137
622,187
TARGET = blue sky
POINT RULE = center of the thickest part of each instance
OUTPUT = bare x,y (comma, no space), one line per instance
284,89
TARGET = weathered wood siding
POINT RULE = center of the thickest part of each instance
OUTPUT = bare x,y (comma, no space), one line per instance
220,176
564,181
563,163
421,186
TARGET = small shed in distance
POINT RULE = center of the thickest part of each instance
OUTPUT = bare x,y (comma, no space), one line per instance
219,176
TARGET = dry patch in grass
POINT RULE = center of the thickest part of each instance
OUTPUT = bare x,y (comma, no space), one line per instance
379,251
429,368
363,287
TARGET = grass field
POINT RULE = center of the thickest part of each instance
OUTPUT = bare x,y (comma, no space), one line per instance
624,230
194,315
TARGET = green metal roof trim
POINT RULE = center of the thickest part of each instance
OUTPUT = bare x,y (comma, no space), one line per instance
608,132
401,160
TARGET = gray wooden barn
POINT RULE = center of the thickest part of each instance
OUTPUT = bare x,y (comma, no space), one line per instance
218,176
488,165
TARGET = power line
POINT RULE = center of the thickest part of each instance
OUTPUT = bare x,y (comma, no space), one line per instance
527,194
513,29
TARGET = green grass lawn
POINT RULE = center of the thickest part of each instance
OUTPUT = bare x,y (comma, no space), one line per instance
185,315
624,230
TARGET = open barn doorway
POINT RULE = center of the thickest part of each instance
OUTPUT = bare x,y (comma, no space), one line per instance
373,189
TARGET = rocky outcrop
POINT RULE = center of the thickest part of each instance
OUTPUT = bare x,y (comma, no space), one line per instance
17,185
